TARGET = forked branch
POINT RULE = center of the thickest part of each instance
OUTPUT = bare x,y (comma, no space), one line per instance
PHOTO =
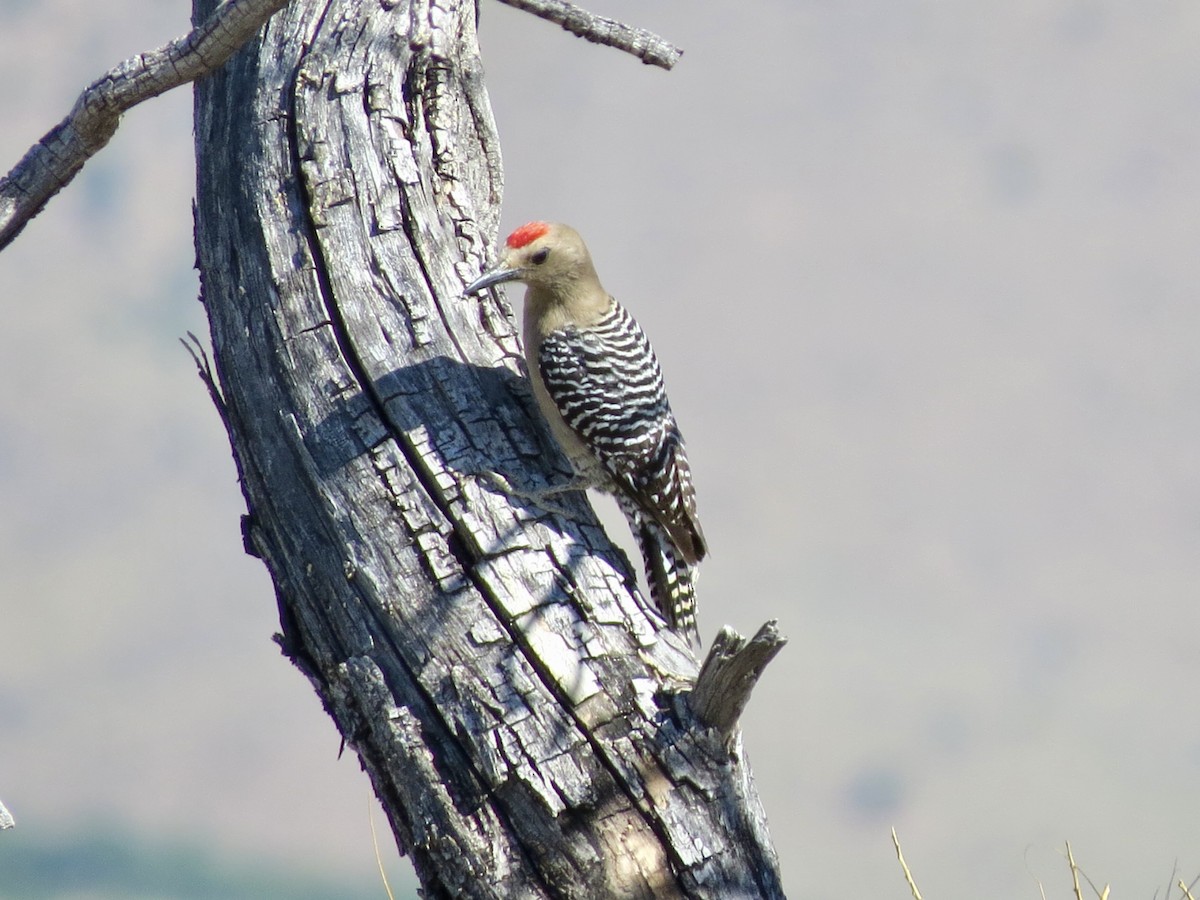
729,673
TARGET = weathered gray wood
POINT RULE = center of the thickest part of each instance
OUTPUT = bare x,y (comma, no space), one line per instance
646,46
730,671
54,160
52,163
518,711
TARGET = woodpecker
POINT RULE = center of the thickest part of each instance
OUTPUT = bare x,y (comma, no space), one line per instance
600,388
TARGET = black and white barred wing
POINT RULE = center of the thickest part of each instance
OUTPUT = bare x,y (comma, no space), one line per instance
607,384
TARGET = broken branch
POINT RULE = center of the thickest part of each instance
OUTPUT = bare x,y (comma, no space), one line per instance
729,673
53,162
645,45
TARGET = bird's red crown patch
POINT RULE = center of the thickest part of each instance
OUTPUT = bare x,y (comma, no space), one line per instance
528,232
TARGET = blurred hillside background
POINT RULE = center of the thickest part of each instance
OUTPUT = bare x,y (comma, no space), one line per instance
923,278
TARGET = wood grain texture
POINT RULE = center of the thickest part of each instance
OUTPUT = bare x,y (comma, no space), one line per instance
730,671
518,711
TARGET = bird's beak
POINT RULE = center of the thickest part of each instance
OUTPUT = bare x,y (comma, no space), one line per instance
498,275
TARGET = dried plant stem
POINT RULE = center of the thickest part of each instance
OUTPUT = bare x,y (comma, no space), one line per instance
912,885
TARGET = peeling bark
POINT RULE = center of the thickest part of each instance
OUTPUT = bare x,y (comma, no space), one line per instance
522,717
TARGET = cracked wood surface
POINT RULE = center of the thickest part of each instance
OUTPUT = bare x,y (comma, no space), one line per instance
516,708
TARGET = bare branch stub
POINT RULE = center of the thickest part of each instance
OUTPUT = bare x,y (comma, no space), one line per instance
52,163
730,671
645,45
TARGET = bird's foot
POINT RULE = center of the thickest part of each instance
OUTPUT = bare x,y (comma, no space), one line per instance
541,497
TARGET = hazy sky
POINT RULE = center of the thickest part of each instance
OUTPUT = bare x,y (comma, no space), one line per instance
923,279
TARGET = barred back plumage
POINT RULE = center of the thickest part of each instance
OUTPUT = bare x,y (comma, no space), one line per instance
600,387
606,382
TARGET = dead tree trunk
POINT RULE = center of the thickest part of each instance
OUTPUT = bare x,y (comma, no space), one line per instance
524,722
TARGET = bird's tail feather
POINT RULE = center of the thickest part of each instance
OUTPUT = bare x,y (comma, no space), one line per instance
671,578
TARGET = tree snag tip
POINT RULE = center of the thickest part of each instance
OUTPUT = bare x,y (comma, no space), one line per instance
729,673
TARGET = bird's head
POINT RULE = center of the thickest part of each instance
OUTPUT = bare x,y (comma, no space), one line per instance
545,256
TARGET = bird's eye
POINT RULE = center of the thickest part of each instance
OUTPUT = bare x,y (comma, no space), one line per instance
540,257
